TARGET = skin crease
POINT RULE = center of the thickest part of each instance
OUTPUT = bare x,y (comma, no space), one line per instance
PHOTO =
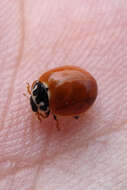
87,154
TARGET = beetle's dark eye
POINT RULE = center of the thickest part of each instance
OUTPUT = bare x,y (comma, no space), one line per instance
36,88
44,107
35,92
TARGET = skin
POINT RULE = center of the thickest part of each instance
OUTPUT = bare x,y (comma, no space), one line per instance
89,153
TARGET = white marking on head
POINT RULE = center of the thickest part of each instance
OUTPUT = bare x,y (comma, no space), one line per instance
33,97
41,104
35,87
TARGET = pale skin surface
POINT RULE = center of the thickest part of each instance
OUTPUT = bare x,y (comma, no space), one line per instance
87,154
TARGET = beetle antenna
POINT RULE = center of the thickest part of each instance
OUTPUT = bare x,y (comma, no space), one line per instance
24,94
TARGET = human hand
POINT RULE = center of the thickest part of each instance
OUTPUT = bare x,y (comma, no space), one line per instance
89,153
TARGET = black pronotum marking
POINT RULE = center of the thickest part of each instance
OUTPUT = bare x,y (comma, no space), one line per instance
43,108
33,105
41,96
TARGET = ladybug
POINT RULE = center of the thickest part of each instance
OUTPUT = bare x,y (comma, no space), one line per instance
62,91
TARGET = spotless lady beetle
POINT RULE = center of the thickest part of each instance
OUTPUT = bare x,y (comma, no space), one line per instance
63,91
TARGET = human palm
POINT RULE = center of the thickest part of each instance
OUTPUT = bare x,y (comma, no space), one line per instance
89,153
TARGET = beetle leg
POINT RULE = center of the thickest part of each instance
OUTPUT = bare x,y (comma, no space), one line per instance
28,88
76,117
47,113
38,116
57,122
26,95
43,116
